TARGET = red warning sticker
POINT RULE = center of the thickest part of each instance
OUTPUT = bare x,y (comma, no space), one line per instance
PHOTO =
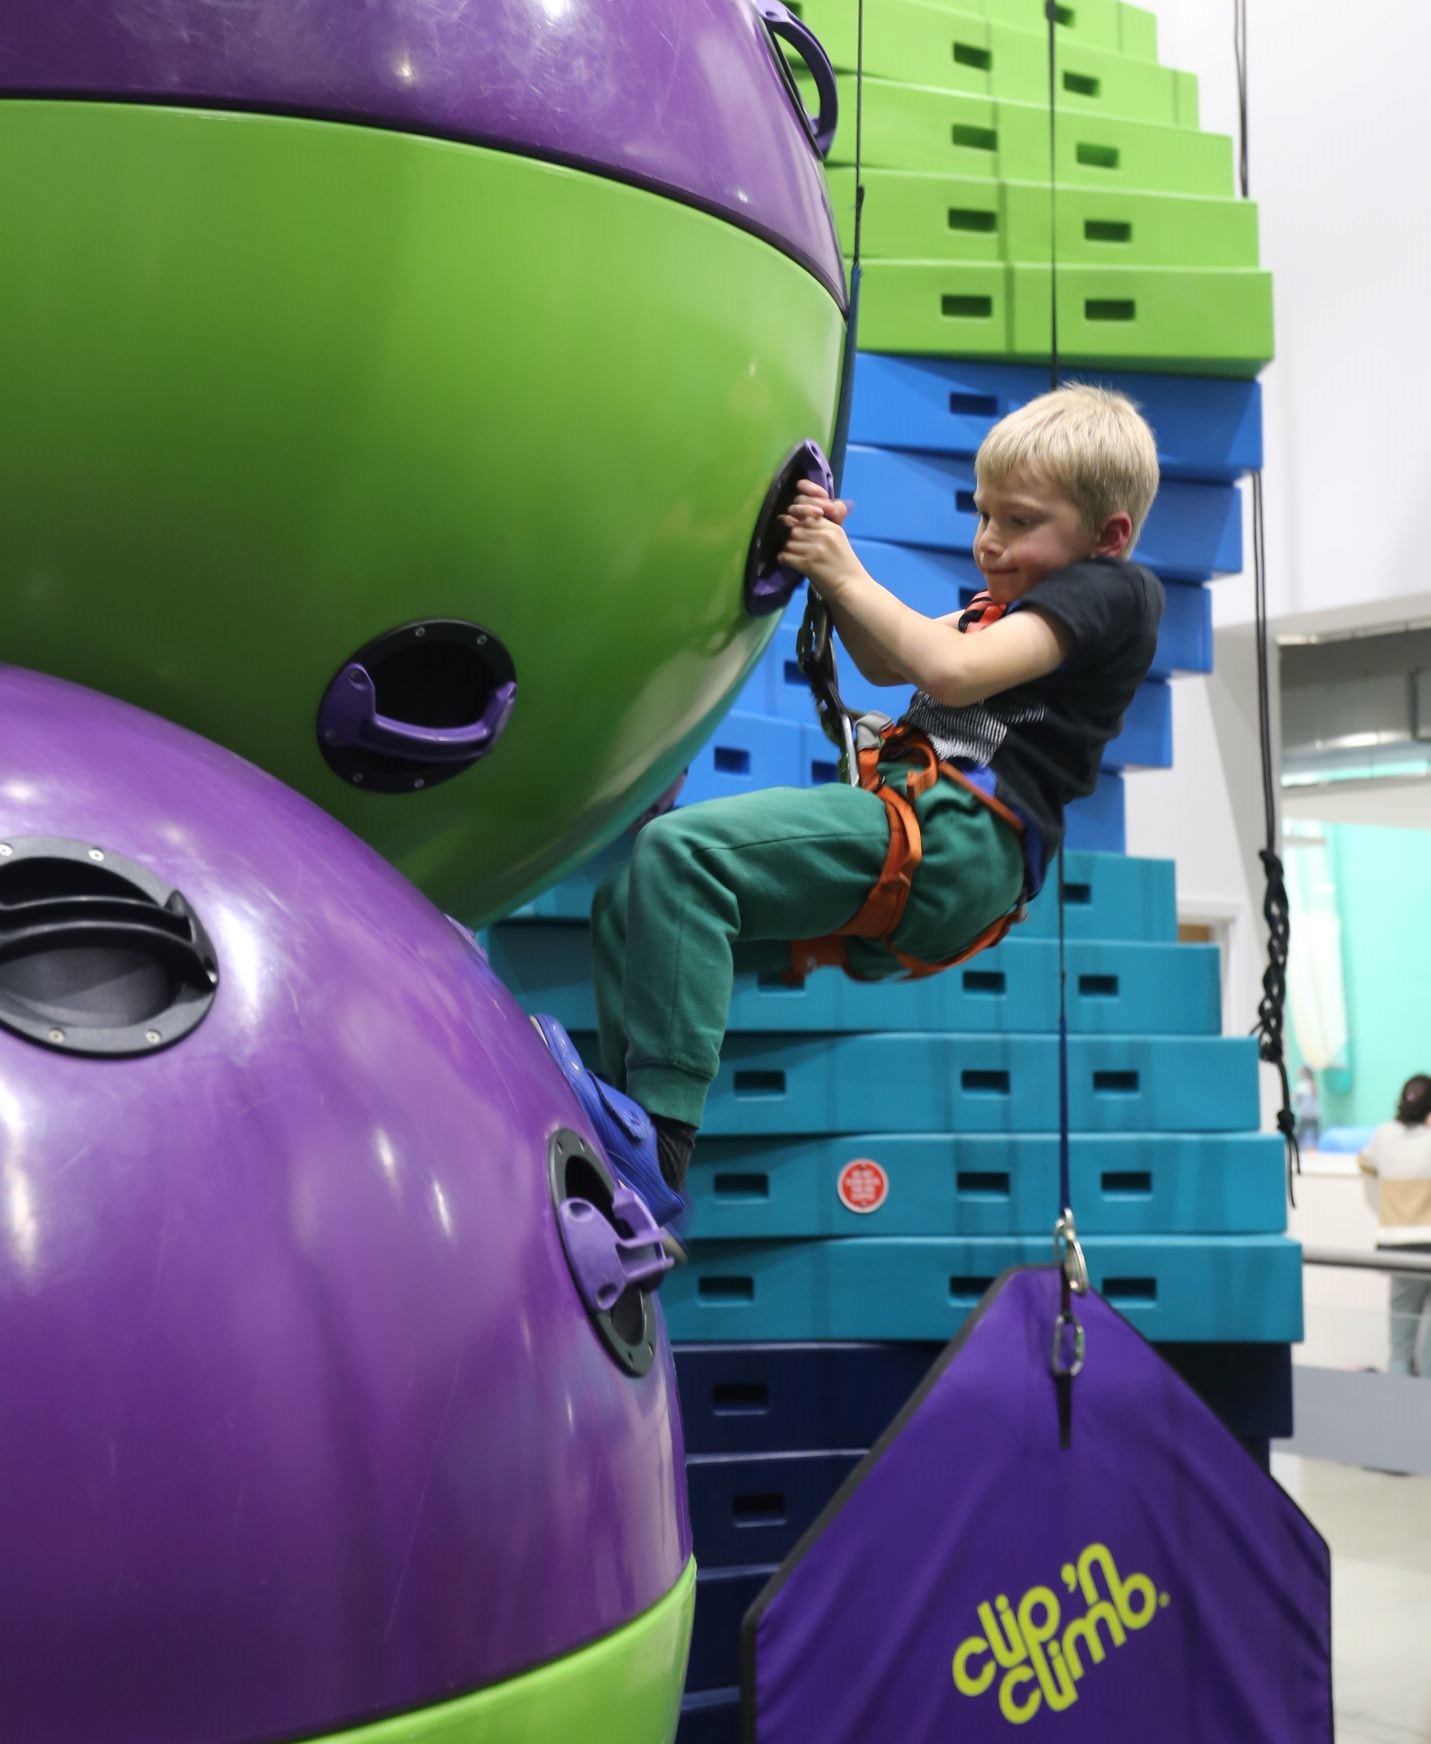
863,1185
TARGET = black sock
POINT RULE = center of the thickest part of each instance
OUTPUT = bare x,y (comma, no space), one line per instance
674,1143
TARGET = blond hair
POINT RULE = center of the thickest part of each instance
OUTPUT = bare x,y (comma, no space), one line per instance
1092,444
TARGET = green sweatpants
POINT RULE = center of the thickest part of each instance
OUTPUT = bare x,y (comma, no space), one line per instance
724,886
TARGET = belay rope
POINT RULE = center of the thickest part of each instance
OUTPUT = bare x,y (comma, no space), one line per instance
1066,1359
1275,907
815,641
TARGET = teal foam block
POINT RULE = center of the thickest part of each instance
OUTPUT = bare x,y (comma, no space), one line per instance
760,1189
1109,896
1173,1288
1113,989
769,1085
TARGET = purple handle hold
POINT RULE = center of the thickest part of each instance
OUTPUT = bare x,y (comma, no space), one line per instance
606,1263
349,717
769,586
781,21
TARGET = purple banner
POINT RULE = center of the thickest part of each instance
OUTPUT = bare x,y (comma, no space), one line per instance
972,1576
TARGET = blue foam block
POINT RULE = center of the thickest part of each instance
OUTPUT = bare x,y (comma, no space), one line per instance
938,582
1146,741
760,1189
1112,989
723,1596
788,1398
785,1398
748,752
777,690
1240,1289
1193,532
754,1508
1206,429
770,1085
1098,824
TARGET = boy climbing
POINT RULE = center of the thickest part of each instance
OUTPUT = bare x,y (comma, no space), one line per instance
960,808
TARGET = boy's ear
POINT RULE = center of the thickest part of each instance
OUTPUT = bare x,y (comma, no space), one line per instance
1114,536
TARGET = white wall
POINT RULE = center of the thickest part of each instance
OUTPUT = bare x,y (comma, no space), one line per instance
1341,168
1341,171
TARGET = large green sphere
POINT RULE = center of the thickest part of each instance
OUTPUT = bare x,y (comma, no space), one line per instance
275,387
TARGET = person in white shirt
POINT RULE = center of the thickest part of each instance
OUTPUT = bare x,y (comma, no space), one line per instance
1399,1155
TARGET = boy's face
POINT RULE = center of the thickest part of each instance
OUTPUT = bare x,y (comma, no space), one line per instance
1027,529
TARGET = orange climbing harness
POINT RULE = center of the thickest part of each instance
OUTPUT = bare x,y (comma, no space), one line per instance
884,907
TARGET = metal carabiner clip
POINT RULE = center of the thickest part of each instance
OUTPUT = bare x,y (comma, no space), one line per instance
1080,1346
1068,1254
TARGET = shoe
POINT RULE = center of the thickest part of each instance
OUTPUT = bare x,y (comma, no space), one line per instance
624,1130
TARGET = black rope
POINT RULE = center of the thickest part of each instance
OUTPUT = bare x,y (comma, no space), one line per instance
814,640
1067,1321
1276,911
1051,10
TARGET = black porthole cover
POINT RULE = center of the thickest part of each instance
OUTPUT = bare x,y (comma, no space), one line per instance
97,955
417,706
629,1327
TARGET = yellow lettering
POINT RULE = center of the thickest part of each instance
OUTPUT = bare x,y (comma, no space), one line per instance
1085,1629
1008,1706
1140,1584
1103,1557
1008,1649
963,1682
1038,1623
1041,1666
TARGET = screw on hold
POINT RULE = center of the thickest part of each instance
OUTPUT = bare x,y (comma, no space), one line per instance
6,850
96,854
356,675
481,638
152,1036
358,776
419,782
421,630
57,1035
331,734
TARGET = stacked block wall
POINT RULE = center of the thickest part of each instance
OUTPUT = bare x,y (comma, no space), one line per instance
801,1324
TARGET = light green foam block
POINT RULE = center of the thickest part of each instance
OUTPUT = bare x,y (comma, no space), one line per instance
920,127
931,44
1158,318
930,217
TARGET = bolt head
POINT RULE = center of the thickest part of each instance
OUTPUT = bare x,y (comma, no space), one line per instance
96,854
56,1035
152,1035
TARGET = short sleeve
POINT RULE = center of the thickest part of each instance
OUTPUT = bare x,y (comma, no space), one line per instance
1101,603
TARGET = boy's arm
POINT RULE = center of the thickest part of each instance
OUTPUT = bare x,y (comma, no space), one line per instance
866,656
953,669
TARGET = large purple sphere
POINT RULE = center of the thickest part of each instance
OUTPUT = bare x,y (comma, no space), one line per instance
304,1421
684,96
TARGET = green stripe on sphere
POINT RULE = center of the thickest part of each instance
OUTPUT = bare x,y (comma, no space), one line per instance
624,1689
283,385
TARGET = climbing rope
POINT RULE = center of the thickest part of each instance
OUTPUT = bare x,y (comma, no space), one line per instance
815,641
1276,910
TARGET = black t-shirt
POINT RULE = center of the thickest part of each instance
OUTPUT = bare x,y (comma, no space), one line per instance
1042,742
